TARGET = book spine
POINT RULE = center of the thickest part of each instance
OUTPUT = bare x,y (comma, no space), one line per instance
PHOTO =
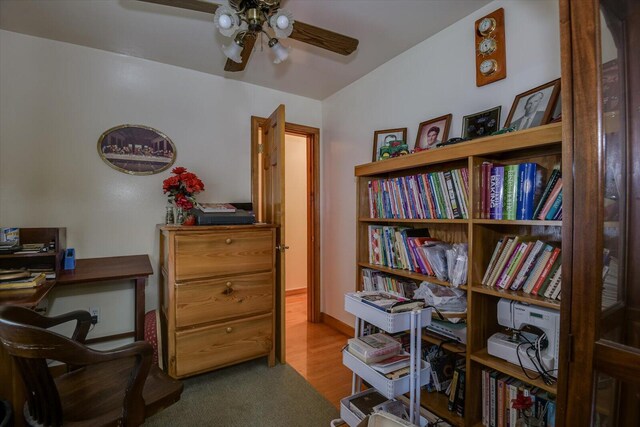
437,197
557,284
555,175
455,205
460,393
528,190
485,395
452,392
514,265
544,289
492,262
485,178
431,195
545,271
527,266
508,265
504,257
500,402
537,270
552,198
457,181
557,204
510,195
493,410
495,193
445,195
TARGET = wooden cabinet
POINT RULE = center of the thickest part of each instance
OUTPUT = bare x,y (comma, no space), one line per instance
216,296
542,145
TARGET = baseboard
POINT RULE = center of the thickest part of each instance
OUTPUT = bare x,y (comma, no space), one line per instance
296,291
337,324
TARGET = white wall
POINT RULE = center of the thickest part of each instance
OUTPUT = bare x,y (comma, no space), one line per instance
295,190
433,78
55,101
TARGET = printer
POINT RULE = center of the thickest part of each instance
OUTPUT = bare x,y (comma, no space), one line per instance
535,337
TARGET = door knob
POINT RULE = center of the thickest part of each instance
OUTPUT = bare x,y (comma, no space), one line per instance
282,248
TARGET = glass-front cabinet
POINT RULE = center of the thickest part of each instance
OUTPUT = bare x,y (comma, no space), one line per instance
601,42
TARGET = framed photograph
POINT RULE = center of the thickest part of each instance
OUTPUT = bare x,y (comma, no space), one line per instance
432,133
482,123
556,114
136,149
534,107
389,143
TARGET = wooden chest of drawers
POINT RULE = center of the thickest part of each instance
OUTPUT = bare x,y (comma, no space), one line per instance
216,296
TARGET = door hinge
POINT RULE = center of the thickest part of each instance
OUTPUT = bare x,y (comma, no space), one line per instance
260,148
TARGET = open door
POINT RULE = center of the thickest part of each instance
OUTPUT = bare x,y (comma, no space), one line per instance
273,211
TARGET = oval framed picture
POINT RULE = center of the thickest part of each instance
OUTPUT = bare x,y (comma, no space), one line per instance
136,149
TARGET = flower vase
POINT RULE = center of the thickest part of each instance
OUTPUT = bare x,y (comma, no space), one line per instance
190,219
179,216
169,218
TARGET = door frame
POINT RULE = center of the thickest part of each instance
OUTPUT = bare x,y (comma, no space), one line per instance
312,136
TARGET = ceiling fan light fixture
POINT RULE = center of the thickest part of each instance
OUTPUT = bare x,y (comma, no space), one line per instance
226,21
234,49
281,52
282,23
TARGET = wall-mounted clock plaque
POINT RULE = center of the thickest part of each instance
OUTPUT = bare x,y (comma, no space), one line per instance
491,60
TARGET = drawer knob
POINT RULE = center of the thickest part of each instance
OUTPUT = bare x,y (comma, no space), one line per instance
228,241
228,284
229,329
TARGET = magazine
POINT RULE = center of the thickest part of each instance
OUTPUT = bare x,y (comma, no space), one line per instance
216,207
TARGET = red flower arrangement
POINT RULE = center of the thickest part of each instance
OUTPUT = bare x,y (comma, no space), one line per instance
181,187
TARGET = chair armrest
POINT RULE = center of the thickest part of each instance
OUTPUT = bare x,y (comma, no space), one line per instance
30,317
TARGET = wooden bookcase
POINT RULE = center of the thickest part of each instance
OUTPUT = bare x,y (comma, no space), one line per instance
542,145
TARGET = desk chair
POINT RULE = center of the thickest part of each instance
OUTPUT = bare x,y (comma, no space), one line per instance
115,387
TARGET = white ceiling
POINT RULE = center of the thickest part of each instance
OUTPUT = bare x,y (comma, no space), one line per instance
189,39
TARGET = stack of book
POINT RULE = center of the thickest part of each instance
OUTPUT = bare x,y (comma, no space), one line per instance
516,192
20,279
373,280
437,195
499,391
527,264
404,248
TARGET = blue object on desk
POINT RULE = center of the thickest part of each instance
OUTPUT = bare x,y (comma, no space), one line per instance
70,259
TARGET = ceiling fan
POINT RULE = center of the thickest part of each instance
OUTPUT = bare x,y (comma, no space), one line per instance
244,20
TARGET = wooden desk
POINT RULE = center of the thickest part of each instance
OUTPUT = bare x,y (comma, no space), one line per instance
91,270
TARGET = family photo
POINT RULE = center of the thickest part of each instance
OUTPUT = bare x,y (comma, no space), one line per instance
534,107
432,133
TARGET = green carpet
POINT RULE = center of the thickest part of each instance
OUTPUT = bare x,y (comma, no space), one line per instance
248,394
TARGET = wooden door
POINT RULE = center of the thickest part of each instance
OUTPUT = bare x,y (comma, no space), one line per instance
273,205
601,303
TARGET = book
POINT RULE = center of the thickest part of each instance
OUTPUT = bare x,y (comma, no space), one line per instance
452,390
557,205
25,283
485,185
493,260
496,192
552,198
543,291
555,285
537,269
380,300
392,363
551,182
510,192
505,256
363,405
459,405
374,347
530,188
545,271
216,207
527,265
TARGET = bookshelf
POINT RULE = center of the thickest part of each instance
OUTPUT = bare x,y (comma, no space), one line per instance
541,145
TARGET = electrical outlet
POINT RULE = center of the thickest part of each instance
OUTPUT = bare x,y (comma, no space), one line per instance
95,315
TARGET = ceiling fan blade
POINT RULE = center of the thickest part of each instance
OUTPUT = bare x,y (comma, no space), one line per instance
249,41
325,39
198,5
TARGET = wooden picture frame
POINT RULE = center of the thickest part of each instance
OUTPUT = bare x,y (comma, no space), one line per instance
386,137
432,133
534,107
481,124
136,149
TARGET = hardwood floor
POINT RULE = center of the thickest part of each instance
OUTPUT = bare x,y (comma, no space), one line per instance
314,350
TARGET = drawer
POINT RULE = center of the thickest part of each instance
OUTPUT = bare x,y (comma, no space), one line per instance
209,347
218,299
200,255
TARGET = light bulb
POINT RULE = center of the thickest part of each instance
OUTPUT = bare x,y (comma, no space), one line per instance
225,22
233,51
281,52
282,22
